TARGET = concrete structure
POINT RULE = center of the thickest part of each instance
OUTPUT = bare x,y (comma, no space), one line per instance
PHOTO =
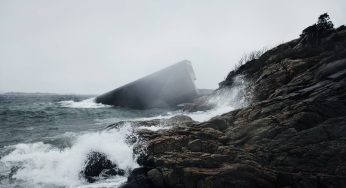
163,89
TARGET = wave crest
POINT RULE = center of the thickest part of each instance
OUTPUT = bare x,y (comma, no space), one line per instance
87,103
46,165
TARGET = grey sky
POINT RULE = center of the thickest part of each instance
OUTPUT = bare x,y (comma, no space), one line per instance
83,46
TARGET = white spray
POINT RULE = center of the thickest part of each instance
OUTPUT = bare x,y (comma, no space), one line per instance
43,164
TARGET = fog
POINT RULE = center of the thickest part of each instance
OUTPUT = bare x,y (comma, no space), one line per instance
90,47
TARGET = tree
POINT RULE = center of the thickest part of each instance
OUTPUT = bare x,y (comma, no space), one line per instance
323,23
319,29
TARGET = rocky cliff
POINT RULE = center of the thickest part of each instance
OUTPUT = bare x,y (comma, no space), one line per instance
293,134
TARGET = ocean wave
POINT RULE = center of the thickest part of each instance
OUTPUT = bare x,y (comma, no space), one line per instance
44,164
207,115
199,116
154,128
225,100
87,103
55,165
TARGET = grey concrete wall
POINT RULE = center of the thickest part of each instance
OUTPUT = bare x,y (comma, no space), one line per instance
162,89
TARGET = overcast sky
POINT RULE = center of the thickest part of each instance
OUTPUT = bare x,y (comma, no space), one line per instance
89,47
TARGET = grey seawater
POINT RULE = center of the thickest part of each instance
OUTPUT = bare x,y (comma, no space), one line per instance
44,139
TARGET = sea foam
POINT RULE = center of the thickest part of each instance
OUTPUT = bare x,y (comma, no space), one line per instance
44,165
87,103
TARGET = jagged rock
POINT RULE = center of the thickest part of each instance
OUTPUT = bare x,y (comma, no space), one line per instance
167,143
239,175
195,145
173,121
97,165
216,123
332,70
156,177
112,172
293,134
178,120
138,178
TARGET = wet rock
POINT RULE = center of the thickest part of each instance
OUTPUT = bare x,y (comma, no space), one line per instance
167,143
179,119
332,68
131,139
138,179
175,121
13,171
112,172
217,123
241,175
156,178
170,177
213,125
97,164
129,185
293,134
195,145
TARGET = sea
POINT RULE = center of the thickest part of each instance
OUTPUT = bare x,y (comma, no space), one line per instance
45,138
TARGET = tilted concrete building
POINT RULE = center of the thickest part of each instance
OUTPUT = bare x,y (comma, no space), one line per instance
163,89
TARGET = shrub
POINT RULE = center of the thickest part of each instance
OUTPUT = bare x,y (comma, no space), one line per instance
323,23
319,29
249,57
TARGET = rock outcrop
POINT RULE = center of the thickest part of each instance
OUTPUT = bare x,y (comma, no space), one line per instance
293,134
97,166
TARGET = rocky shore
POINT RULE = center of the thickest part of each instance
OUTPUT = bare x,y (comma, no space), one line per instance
293,134
290,134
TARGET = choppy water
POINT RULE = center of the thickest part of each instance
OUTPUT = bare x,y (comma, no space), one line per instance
45,139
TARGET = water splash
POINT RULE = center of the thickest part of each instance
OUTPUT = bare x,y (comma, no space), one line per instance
87,103
236,96
46,165
222,100
207,115
226,99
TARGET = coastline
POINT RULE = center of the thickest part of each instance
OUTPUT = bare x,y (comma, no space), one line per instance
292,133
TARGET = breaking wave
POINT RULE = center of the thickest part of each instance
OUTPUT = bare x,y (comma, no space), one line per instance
207,115
225,100
87,103
43,164
237,96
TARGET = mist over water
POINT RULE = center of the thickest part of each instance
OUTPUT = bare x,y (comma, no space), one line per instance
45,139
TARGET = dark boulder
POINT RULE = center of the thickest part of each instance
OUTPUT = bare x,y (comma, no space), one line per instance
97,164
156,178
138,178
